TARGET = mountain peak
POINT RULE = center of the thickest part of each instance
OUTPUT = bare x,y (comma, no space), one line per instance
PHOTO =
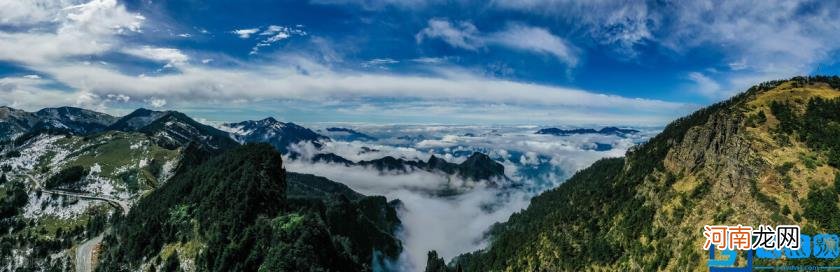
269,130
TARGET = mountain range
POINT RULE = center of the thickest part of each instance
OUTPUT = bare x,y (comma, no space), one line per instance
476,167
156,190
14,122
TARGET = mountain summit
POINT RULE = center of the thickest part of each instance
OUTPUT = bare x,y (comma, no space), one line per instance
278,134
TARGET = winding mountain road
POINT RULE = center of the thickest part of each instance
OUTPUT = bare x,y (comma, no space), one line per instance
117,203
84,252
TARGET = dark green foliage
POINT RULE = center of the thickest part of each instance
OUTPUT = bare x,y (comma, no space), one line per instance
757,119
311,186
3,179
435,263
821,125
837,183
818,127
235,204
12,154
597,198
788,122
228,193
302,243
821,206
14,200
373,230
67,176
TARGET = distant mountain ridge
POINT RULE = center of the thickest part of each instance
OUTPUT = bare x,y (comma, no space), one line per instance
136,120
278,134
604,131
347,134
172,129
14,122
477,167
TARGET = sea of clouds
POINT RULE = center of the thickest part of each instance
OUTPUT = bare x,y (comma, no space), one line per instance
456,224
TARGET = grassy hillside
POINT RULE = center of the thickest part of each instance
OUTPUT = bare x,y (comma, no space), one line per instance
766,156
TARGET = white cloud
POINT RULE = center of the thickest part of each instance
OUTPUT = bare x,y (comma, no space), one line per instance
274,34
376,4
170,56
157,102
515,36
91,28
622,23
22,13
245,33
535,39
32,76
460,221
462,34
429,60
380,62
759,40
286,77
704,85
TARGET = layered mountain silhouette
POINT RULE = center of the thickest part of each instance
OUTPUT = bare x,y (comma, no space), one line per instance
347,134
478,166
603,131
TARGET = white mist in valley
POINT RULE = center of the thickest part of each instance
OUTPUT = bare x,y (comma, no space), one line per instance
454,224
451,225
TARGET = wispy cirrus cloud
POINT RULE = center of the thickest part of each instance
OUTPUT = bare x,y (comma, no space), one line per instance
515,36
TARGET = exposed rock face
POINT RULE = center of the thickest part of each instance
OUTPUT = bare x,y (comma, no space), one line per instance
719,150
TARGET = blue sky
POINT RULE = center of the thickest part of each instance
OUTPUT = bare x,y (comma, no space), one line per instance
410,61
